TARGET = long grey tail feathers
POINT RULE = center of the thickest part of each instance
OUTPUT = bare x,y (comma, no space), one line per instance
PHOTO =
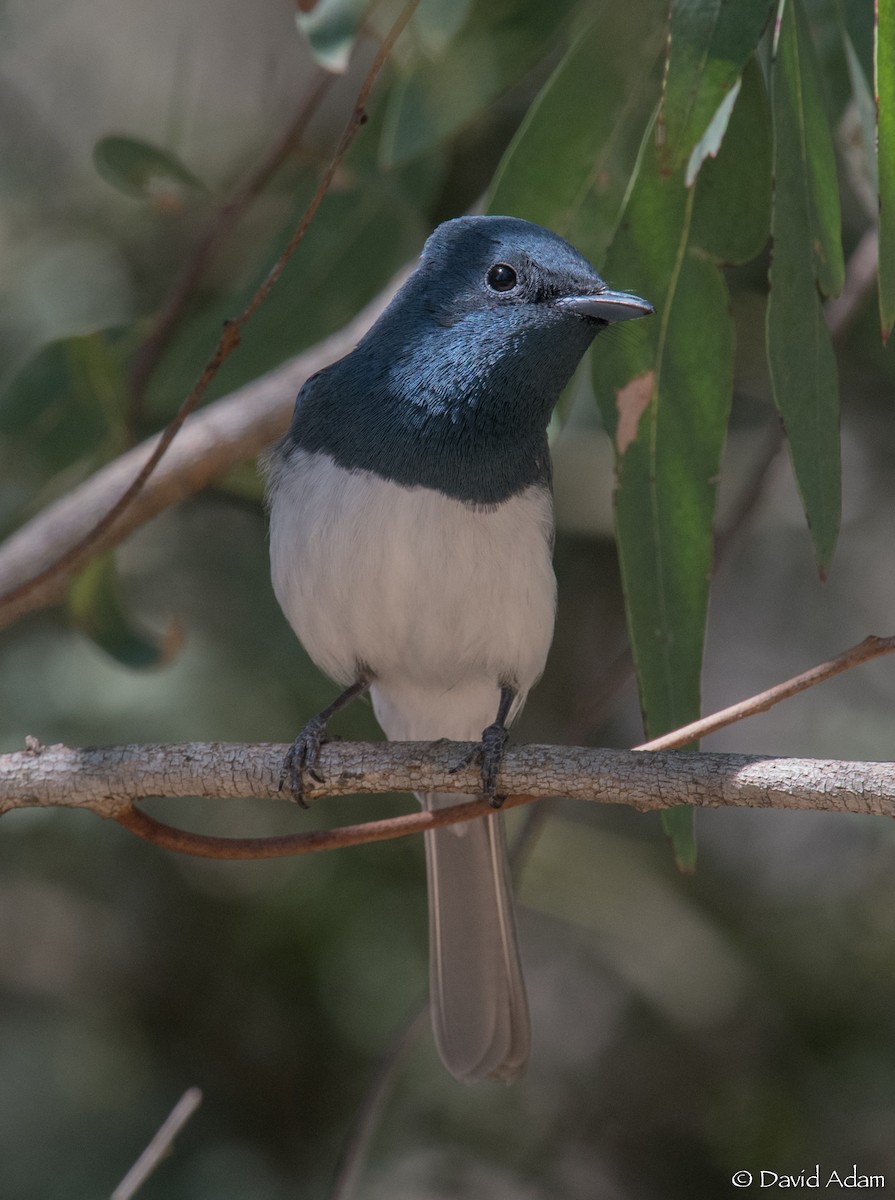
477,994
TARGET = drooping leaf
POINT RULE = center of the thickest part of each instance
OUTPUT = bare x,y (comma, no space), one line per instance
679,825
807,260
600,96
739,180
709,43
884,83
138,168
664,387
801,127
710,142
96,607
331,29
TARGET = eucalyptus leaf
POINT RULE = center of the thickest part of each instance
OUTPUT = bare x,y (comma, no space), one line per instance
709,43
139,168
738,180
807,259
710,142
664,388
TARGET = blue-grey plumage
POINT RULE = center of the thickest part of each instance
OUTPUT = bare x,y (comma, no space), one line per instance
411,540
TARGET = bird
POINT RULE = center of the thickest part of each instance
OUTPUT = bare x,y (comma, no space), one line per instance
411,536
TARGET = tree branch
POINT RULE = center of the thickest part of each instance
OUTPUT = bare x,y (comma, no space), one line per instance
108,780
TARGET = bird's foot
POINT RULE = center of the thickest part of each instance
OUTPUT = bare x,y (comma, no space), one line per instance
489,752
303,757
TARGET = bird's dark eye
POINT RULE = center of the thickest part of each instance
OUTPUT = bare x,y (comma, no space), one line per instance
501,277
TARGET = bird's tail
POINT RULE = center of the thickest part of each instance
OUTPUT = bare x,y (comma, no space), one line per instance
479,1007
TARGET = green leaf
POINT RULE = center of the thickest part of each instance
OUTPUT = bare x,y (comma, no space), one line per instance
738,180
804,159
437,97
138,168
709,43
710,142
96,607
807,256
664,387
331,29
680,827
600,96
884,82
665,394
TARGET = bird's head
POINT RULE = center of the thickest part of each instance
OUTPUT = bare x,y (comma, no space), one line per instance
511,274
498,309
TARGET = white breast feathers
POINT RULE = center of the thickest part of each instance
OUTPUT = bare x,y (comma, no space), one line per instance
428,593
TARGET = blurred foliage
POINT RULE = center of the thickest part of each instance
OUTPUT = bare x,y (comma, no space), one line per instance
684,1029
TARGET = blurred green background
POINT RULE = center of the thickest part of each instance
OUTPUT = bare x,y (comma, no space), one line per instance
684,1027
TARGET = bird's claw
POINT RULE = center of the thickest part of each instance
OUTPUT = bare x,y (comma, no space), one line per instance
489,752
303,758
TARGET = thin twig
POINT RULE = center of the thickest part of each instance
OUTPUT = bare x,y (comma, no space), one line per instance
160,1146
82,549
870,648
168,837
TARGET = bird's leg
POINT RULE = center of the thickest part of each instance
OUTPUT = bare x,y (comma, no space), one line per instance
490,749
304,753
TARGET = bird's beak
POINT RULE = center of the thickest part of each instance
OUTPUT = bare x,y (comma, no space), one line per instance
607,306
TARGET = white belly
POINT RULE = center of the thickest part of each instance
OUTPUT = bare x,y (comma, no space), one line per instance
441,602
